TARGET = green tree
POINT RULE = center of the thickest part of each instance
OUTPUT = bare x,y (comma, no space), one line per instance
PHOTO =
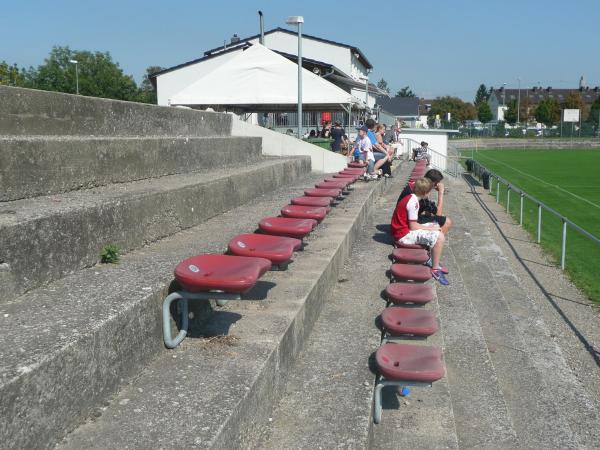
382,84
594,116
458,109
484,113
147,90
510,114
99,75
13,76
405,92
548,112
482,95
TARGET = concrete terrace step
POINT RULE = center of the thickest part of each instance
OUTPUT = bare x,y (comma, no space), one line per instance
219,392
34,112
328,399
41,165
564,400
45,238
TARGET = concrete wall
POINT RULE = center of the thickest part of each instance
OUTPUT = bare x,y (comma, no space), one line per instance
278,144
34,112
539,143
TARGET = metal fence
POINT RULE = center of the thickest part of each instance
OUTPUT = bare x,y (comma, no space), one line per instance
482,172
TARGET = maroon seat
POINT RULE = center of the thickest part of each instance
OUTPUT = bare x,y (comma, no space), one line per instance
332,185
277,249
346,176
410,256
353,171
343,181
411,272
400,293
312,201
399,321
285,226
235,274
317,213
333,193
413,246
410,362
357,165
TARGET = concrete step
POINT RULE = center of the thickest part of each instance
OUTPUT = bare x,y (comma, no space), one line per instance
218,391
33,112
552,405
327,402
44,165
45,238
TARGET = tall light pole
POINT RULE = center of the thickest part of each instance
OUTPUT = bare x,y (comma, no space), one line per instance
298,20
519,102
74,61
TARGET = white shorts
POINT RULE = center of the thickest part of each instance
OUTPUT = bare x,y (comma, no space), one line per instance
421,237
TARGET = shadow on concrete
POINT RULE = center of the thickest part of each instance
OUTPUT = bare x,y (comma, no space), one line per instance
383,238
384,228
594,353
259,291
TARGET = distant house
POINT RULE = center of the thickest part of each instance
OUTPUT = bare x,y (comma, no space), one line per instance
500,98
403,109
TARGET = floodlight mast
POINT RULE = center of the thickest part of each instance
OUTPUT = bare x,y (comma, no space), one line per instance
298,20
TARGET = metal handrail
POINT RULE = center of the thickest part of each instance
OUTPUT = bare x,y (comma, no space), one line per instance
479,169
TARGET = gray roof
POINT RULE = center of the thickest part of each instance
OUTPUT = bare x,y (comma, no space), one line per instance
400,106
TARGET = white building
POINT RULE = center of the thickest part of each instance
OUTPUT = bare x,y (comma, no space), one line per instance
342,64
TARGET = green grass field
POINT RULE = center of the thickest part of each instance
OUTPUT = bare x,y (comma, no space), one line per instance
567,181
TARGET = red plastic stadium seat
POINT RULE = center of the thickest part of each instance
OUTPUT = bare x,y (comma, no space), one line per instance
305,212
414,321
284,226
400,293
356,165
411,272
235,274
331,185
410,256
334,193
410,362
354,171
346,176
414,246
312,201
277,249
345,182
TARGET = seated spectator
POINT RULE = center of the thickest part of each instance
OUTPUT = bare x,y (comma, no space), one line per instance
326,131
428,210
312,134
421,153
407,230
363,151
379,151
339,137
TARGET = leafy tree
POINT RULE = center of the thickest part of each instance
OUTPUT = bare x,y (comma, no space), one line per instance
482,95
382,84
548,112
594,116
99,75
13,76
510,114
147,91
573,101
484,113
405,92
458,109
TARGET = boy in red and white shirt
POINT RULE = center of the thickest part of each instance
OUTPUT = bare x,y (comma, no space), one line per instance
407,230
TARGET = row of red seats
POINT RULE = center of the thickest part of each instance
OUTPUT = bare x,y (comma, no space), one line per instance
249,256
402,365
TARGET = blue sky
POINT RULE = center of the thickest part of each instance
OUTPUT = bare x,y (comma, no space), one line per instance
435,47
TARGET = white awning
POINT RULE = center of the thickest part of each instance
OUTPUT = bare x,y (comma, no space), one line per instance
259,79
